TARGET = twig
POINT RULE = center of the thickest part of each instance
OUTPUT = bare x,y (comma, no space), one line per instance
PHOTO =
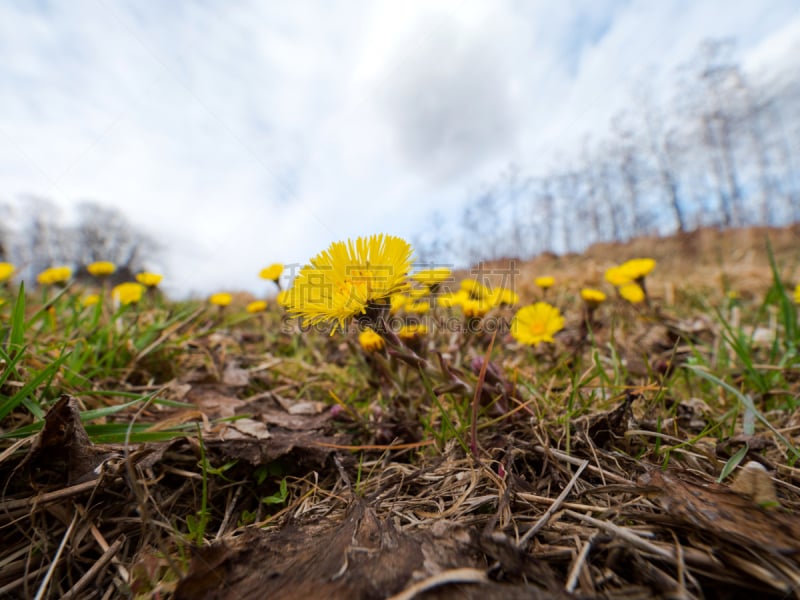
625,534
452,576
32,501
95,569
580,560
553,507
578,461
67,534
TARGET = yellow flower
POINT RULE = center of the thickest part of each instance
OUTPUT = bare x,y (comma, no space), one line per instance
272,272
545,281
797,293
632,292
432,277
397,302
6,271
412,331
503,297
638,268
126,293
475,288
419,308
370,341
256,306
54,275
284,298
475,309
350,277
453,299
90,299
592,297
616,276
149,279
101,268
536,323
220,299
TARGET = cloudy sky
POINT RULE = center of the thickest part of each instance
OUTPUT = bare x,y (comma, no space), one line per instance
243,133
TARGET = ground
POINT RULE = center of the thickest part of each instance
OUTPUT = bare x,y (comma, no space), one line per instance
176,451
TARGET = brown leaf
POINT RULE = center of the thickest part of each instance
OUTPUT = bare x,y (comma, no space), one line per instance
723,513
63,448
364,556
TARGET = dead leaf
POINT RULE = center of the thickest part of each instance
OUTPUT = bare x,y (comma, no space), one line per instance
723,513
363,556
754,482
63,448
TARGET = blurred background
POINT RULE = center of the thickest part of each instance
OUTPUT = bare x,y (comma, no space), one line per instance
206,140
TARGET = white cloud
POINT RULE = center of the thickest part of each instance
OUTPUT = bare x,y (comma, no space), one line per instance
247,132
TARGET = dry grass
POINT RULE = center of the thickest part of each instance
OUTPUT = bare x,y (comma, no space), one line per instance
596,475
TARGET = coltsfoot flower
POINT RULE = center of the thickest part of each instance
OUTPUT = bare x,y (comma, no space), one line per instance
592,297
126,293
101,268
272,272
54,275
503,297
638,268
632,292
536,323
432,278
149,279
256,306
370,341
351,278
412,331
221,299
6,271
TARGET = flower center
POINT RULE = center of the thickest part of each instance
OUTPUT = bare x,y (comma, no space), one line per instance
537,328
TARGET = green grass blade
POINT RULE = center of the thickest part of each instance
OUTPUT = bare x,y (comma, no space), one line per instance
748,404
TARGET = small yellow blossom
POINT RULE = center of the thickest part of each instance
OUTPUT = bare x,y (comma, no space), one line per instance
734,295
54,275
220,299
256,306
412,331
545,281
797,293
272,272
476,308
452,299
149,279
638,268
592,297
370,341
101,268
632,292
503,297
475,288
433,277
126,293
6,271
419,307
90,299
617,277
397,302
283,298
351,277
536,323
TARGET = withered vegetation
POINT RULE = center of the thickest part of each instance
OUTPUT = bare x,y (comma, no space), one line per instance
647,455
